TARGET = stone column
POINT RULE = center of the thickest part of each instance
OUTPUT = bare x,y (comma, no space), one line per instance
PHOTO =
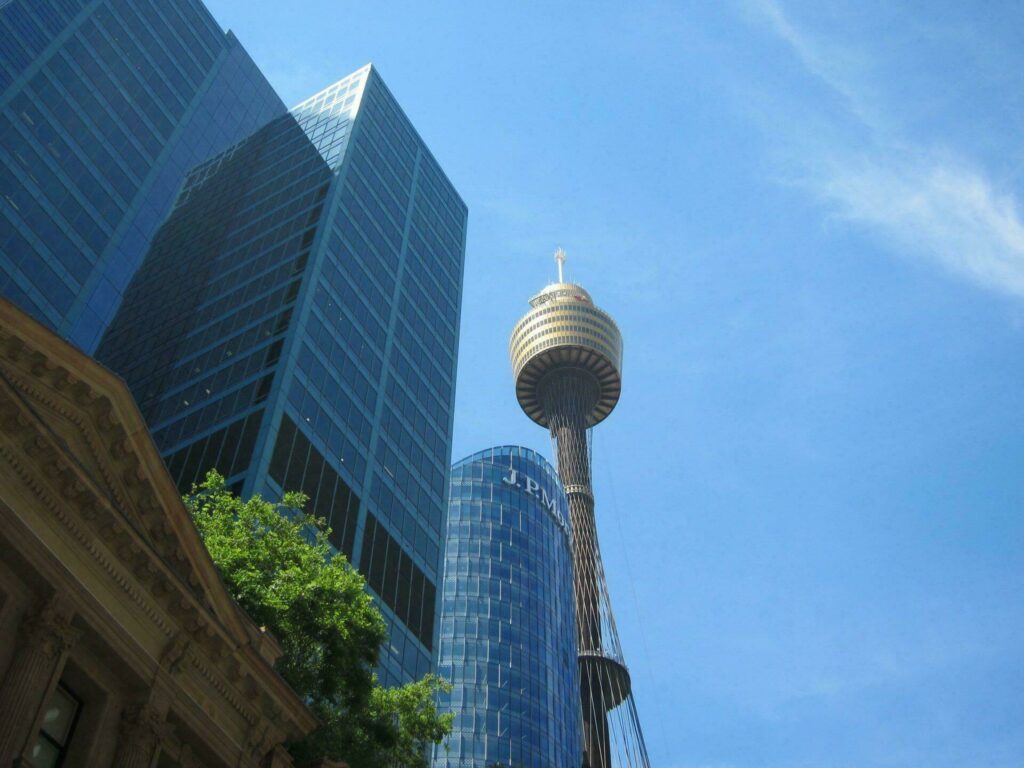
44,641
143,729
278,757
187,758
260,747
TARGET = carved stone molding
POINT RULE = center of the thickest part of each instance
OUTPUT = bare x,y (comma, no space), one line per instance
187,758
124,481
262,742
141,732
278,757
96,452
87,542
49,631
143,720
175,653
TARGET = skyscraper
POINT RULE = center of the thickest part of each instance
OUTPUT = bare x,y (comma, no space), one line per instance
567,360
295,325
104,106
508,632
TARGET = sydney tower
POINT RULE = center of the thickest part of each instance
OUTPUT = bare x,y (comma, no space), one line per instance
567,360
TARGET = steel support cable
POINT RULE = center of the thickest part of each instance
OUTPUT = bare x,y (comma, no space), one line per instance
608,474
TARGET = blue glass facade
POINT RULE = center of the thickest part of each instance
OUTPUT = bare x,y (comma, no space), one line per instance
104,106
295,325
508,633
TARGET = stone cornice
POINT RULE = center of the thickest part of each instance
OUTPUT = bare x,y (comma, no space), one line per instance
113,496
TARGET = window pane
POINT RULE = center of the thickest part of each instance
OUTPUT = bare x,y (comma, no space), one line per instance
44,754
60,713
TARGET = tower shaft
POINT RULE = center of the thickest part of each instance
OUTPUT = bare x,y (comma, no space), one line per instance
568,396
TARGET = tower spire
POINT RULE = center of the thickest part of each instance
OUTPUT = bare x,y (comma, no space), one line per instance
560,258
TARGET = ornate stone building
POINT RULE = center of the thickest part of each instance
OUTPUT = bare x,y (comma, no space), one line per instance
119,644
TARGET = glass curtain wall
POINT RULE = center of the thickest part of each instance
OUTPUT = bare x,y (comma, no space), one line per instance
508,638
104,106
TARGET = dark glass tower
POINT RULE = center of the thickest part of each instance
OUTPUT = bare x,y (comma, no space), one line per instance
508,638
104,106
295,326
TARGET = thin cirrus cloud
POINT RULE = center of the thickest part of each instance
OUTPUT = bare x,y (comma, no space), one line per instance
937,208
922,200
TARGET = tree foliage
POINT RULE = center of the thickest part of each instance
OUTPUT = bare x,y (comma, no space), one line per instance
277,564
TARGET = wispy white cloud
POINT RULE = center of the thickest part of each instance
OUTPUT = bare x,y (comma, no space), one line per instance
938,208
926,201
834,65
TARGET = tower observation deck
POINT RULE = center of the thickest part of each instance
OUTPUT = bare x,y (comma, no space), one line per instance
566,357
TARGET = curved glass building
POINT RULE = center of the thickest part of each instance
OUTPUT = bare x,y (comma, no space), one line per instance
507,637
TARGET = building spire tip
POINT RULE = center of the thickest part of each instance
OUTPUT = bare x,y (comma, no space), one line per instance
560,258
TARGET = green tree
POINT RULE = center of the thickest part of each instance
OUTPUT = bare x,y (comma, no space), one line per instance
276,563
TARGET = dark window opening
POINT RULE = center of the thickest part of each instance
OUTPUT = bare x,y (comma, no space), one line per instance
273,353
263,389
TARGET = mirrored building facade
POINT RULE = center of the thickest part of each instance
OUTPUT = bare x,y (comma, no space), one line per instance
104,106
507,641
295,326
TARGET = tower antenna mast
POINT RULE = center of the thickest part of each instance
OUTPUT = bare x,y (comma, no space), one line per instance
560,258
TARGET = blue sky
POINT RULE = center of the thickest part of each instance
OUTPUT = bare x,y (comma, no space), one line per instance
806,218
